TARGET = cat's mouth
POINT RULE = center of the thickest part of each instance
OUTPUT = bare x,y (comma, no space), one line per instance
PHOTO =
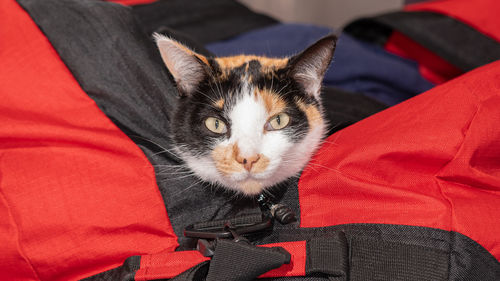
247,182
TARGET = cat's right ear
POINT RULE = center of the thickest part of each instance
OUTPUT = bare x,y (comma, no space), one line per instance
187,67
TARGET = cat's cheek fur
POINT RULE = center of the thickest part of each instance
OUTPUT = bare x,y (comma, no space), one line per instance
202,166
274,146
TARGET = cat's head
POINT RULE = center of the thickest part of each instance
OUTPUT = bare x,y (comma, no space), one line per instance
247,122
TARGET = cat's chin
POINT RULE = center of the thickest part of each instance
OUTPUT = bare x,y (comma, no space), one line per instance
250,187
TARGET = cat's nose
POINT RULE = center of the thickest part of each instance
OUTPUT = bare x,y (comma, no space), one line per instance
248,162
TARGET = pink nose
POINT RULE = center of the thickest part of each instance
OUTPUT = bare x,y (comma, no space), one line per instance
248,162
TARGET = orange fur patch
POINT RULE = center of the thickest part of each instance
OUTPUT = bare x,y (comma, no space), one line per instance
187,50
236,61
225,159
251,187
261,165
219,103
274,104
312,113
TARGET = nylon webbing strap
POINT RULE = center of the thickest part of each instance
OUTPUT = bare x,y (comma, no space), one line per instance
196,273
235,261
361,258
373,259
475,49
244,219
329,256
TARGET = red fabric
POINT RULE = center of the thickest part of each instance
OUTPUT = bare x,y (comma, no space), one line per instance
431,161
167,265
297,266
77,197
432,67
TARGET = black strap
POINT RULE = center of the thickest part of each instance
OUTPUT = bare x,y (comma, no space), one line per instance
237,261
373,258
206,21
243,219
329,256
361,258
456,42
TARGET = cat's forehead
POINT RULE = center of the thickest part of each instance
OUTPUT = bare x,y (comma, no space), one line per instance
247,66
247,75
262,63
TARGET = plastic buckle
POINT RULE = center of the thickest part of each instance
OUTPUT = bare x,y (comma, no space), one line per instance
208,236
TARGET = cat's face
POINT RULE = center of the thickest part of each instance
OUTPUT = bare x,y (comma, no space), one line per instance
247,122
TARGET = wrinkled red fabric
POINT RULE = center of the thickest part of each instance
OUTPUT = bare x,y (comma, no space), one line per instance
77,197
431,161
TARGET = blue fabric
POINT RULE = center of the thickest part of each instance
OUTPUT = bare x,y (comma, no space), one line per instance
357,66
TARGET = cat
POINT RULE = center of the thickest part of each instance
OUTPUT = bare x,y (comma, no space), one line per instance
247,122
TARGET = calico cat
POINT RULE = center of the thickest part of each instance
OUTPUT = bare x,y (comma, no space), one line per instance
247,122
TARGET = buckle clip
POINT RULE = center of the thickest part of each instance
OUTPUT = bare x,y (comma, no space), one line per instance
208,235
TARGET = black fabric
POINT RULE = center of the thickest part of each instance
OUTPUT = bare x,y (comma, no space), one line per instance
328,256
387,252
112,60
451,39
205,21
344,108
465,259
238,261
125,272
373,259
248,219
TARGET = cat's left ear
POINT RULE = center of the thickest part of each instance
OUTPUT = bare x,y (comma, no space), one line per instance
187,67
308,68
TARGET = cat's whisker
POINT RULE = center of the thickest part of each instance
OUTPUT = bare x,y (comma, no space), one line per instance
207,96
217,92
210,105
177,166
183,177
166,151
333,127
219,87
175,173
323,166
335,140
197,182
157,144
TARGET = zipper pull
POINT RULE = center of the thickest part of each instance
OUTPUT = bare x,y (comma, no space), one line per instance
280,212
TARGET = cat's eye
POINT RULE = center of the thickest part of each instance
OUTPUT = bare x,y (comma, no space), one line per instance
277,122
215,125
